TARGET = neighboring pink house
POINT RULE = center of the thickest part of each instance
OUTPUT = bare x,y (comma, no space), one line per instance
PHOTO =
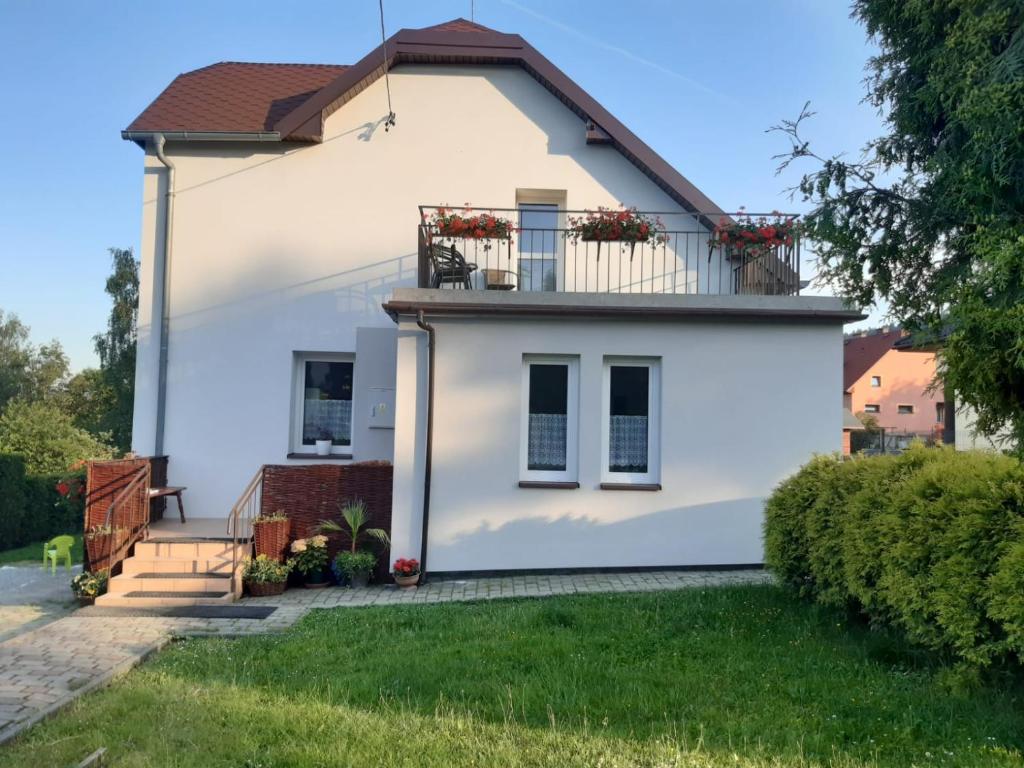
890,385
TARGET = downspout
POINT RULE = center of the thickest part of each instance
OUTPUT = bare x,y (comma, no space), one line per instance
165,298
429,442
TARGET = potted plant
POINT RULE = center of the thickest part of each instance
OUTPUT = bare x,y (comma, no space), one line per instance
754,236
406,572
447,222
88,586
271,533
264,576
356,564
324,443
309,557
606,225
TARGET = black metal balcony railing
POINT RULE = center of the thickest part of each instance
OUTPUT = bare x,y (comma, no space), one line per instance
544,253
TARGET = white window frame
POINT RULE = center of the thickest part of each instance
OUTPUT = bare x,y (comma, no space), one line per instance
299,360
653,474
876,381
909,409
572,421
872,408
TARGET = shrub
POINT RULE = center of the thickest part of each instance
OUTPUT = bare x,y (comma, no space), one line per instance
47,438
931,542
12,502
33,507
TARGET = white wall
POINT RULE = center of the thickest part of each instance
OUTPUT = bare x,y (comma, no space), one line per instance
744,404
284,248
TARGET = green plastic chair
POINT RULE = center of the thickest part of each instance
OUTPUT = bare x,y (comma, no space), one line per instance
57,548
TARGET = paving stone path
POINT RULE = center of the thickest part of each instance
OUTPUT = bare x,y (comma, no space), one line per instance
44,669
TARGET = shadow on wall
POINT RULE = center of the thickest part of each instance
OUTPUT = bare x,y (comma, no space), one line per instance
717,533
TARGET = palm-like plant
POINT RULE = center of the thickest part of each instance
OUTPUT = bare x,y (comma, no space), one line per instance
355,517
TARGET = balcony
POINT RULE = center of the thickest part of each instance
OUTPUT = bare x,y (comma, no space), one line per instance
545,248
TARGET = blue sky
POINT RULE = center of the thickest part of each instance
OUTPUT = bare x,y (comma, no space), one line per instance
697,81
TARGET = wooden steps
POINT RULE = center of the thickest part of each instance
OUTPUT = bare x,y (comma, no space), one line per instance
177,570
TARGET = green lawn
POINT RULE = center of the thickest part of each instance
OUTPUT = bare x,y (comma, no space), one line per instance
743,676
33,553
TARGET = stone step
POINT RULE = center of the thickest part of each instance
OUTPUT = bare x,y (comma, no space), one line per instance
170,582
163,599
136,565
189,549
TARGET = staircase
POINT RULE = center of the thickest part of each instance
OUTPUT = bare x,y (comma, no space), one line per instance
179,570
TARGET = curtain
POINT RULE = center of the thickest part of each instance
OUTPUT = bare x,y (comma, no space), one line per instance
332,416
627,444
546,441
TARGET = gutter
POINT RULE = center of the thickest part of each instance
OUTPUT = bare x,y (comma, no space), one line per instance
141,137
429,443
165,296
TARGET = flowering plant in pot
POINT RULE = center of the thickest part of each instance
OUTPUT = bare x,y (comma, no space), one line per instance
88,586
406,572
447,222
271,532
627,225
754,236
309,557
356,564
264,576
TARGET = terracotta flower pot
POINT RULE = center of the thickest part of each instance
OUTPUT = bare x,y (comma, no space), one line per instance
265,588
407,582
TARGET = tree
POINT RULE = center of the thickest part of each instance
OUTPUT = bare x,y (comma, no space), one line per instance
27,371
46,437
931,218
116,347
88,400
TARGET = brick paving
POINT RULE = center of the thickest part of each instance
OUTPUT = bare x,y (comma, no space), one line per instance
44,669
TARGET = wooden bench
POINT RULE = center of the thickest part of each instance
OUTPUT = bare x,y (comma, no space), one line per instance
172,490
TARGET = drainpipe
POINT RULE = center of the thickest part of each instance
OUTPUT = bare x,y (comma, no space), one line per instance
430,439
165,290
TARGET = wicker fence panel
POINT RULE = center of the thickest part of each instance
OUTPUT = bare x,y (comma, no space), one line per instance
311,493
104,480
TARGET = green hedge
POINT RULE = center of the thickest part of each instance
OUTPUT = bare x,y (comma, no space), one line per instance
31,506
931,542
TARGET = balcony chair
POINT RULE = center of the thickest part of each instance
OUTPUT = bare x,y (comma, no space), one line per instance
449,266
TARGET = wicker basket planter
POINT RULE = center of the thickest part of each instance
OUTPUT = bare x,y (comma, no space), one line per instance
265,588
271,538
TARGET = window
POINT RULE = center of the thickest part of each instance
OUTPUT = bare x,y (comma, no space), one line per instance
904,409
323,402
550,428
876,381
872,408
630,433
940,413
538,246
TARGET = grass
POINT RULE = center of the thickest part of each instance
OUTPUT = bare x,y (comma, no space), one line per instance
742,676
33,553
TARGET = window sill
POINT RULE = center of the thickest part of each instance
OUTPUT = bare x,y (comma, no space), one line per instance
630,486
331,457
564,486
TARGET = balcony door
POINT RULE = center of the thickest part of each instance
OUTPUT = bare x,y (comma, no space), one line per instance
540,246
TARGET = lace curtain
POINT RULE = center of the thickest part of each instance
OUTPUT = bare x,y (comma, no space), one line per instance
546,441
333,416
627,444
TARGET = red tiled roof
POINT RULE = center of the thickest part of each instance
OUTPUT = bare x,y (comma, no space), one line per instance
862,352
458,25
234,96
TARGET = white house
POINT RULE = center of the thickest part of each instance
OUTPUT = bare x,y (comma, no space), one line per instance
554,402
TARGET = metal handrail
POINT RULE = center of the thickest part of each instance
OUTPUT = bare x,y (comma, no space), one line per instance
136,528
245,509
